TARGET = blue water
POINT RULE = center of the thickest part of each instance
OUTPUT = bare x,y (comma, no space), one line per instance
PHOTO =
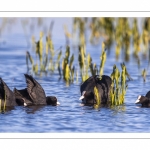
70,116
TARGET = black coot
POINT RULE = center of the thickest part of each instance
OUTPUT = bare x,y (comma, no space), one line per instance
6,94
33,94
103,85
144,100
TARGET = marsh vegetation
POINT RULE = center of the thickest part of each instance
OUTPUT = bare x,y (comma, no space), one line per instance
122,32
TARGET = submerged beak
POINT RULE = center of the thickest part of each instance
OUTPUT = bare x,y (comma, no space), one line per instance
137,101
58,103
82,97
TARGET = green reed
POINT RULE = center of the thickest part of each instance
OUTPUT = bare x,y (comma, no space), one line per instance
39,48
82,63
44,55
136,37
115,76
97,97
101,27
87,67
50,51
144,73
146,36
103,60
58,63
122,38
46,60
126,72
109,29
79,27
122,33
67,66
119,86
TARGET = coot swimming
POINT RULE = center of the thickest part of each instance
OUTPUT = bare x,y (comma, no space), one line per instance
103,85
144,100
34,94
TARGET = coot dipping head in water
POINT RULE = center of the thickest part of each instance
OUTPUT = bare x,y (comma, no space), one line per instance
6,95
103,84
34,94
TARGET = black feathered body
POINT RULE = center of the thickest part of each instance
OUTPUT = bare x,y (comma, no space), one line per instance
6,95
22,97
144,100
34,94
103,84
35,90
148,94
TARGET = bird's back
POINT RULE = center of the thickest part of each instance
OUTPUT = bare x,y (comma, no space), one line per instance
6,95
35,90
22,97
148,94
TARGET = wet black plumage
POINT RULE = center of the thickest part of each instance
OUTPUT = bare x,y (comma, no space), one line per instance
22,97
34,94
144,100
51,100
5,92
103,85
